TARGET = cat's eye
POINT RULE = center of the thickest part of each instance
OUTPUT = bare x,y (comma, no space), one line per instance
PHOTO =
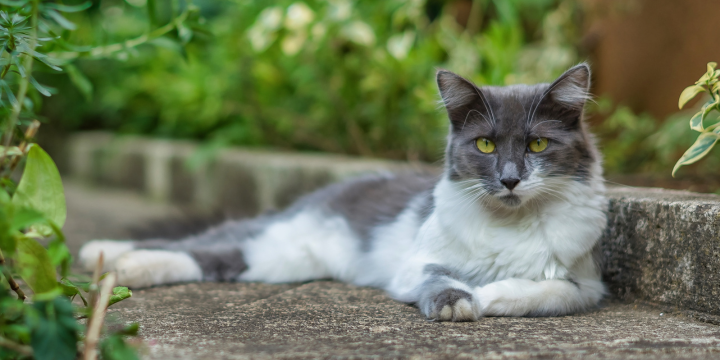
538,144
485,145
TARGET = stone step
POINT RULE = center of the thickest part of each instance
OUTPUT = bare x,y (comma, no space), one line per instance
660,245
328,319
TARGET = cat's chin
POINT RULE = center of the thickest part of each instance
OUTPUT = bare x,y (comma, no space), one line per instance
510,200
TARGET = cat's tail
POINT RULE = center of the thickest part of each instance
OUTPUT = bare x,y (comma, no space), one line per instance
297,245
214,255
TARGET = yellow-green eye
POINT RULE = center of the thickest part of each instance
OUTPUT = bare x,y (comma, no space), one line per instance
485,145
538,144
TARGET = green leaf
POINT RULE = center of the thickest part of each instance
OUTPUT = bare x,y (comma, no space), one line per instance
10,95
11,3
129,330
41,89
60,20
151,13
41,188
688,94
696,122
55,336
119,293
80,81
71,289
68,8
114,347
24,218
698,150
33,263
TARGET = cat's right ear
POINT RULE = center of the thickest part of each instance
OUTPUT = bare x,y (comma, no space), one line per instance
462,99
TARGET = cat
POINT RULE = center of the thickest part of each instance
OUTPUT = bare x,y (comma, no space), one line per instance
508,229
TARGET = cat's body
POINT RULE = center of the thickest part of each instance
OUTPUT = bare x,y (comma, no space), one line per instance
505,231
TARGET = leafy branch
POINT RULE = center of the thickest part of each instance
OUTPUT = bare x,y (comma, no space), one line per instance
103,51
709,135
34,208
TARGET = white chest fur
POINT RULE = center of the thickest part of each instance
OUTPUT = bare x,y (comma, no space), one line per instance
536,243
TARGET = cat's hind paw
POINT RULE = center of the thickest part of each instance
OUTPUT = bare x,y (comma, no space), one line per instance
111,250
453,305
145,268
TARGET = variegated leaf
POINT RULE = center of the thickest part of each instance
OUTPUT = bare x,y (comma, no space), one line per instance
698,150
688,94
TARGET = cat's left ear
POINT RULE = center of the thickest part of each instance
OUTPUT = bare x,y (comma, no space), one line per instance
571,89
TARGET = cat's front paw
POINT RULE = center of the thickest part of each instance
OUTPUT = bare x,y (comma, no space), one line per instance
453,305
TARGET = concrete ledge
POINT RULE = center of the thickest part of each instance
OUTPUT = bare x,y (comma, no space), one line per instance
660,245
664,246
238,181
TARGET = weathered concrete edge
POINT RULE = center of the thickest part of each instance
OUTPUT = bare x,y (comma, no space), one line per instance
661,246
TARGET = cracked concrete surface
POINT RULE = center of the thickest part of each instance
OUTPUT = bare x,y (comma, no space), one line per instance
327,319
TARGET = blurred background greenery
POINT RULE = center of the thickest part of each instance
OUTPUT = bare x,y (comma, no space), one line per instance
357,77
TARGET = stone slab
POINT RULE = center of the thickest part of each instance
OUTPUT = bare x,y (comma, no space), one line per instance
328,319
664,246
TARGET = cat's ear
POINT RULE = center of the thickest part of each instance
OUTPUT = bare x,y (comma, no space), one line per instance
462,99
571,89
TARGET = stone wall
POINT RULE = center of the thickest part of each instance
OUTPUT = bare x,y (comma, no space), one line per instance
660,245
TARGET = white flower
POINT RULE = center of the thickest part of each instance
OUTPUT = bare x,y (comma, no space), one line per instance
399,45
264,31
359,32
298,16
318,31
270,18
340,9
292,43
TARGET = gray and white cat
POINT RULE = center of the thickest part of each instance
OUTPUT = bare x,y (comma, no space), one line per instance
507,230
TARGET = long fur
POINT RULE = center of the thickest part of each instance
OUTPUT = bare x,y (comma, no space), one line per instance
455,246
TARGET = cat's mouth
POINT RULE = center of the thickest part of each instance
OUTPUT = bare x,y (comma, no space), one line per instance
510,200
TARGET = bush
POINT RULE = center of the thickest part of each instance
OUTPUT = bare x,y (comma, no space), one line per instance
328,75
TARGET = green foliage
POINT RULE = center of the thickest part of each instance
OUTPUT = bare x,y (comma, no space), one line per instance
40,187
341,76
709,135
54,332
33,211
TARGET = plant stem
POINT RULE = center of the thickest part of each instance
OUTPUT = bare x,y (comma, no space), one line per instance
109,49
29,134
18,348
13,285
22,90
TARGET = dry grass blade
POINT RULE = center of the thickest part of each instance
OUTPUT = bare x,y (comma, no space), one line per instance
98,317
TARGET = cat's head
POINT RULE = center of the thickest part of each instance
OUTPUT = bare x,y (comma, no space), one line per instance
510,145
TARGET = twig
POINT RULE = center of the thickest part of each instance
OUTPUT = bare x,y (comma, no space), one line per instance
96,279
18,348
98,316
109,49
29,134
13,285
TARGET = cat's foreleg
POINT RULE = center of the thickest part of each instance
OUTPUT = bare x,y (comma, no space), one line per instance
522,297
438,292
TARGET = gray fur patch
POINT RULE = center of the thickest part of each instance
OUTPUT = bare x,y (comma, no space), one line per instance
450,297
438,291
369,202
219,264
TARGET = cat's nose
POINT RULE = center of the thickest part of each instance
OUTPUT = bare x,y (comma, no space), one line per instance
510,183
